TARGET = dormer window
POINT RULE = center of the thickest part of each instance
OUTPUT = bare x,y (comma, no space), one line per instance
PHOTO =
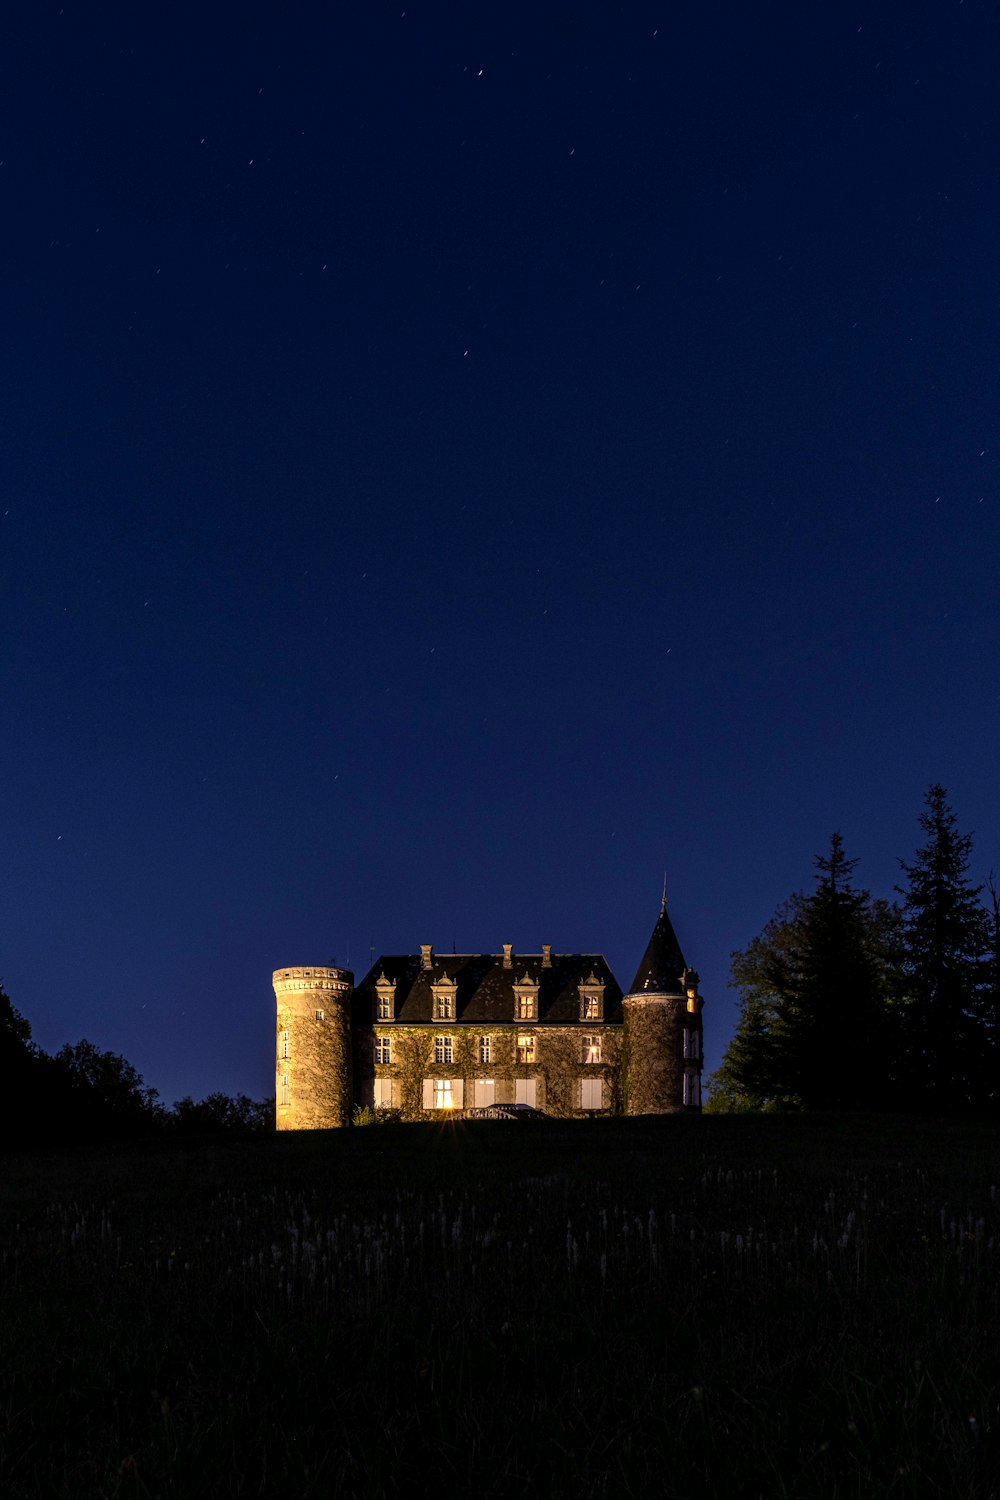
385,999
526,999
592,998
443,992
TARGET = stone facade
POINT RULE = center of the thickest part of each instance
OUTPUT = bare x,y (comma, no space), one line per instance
425,1033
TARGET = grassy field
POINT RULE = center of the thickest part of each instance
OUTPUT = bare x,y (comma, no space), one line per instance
682,1307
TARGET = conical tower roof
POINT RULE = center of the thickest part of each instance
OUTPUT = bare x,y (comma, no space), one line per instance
662,967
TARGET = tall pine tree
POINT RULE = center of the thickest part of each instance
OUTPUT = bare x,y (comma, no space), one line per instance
944,1038
812,1032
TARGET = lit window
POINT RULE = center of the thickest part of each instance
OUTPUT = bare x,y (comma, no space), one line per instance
591,1049
692,1088
442,1049
591,1093
526,1049
319,1015
284,1088
485,1049
591,1008
526,1007
284,1044
383,1049
385,1007
691,1048
485,1092
444,1093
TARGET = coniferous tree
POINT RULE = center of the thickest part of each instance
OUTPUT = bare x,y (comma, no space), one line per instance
989,1090
943,1029
813,1030
830,1028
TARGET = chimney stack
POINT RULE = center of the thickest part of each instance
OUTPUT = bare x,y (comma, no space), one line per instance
546,955
507,963
426,956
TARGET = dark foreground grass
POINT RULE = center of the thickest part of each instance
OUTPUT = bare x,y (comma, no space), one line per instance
679,1307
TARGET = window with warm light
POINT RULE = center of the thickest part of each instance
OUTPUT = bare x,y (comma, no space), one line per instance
591,1008
485,1049
444,1093
526,1049
526,1007
383,1049
591,1049
443,1049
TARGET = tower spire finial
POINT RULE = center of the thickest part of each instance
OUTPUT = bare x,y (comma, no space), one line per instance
663,901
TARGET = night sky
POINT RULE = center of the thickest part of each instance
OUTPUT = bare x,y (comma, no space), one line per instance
462,460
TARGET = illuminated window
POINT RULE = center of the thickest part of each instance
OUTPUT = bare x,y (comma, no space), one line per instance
385,1007
485,1049
591,1093
319,1015
383,1049
691,1048
284,1088
526,1049
442,1049
444,1093
526,1007
692,1088
284,1044
591,1049
592,998
485,1092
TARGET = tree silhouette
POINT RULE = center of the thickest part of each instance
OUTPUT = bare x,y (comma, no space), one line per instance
946,940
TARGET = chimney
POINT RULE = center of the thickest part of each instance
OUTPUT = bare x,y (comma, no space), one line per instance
426,956
546,955
506,955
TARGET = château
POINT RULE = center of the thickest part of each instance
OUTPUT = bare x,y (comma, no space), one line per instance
427,1032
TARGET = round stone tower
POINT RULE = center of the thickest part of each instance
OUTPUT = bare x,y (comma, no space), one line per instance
312,1072
663,1032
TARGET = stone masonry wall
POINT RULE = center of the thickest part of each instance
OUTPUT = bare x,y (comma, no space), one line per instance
654,1046
557,1069
313,1008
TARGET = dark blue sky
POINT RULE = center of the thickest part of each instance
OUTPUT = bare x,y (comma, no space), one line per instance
461,460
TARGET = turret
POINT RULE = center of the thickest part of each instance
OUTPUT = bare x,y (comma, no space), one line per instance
663,1032
313,1055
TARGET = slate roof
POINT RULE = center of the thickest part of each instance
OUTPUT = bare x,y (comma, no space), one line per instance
485,989
662,966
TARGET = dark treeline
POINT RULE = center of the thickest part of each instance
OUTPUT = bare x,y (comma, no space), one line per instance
80,1092
850,1001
